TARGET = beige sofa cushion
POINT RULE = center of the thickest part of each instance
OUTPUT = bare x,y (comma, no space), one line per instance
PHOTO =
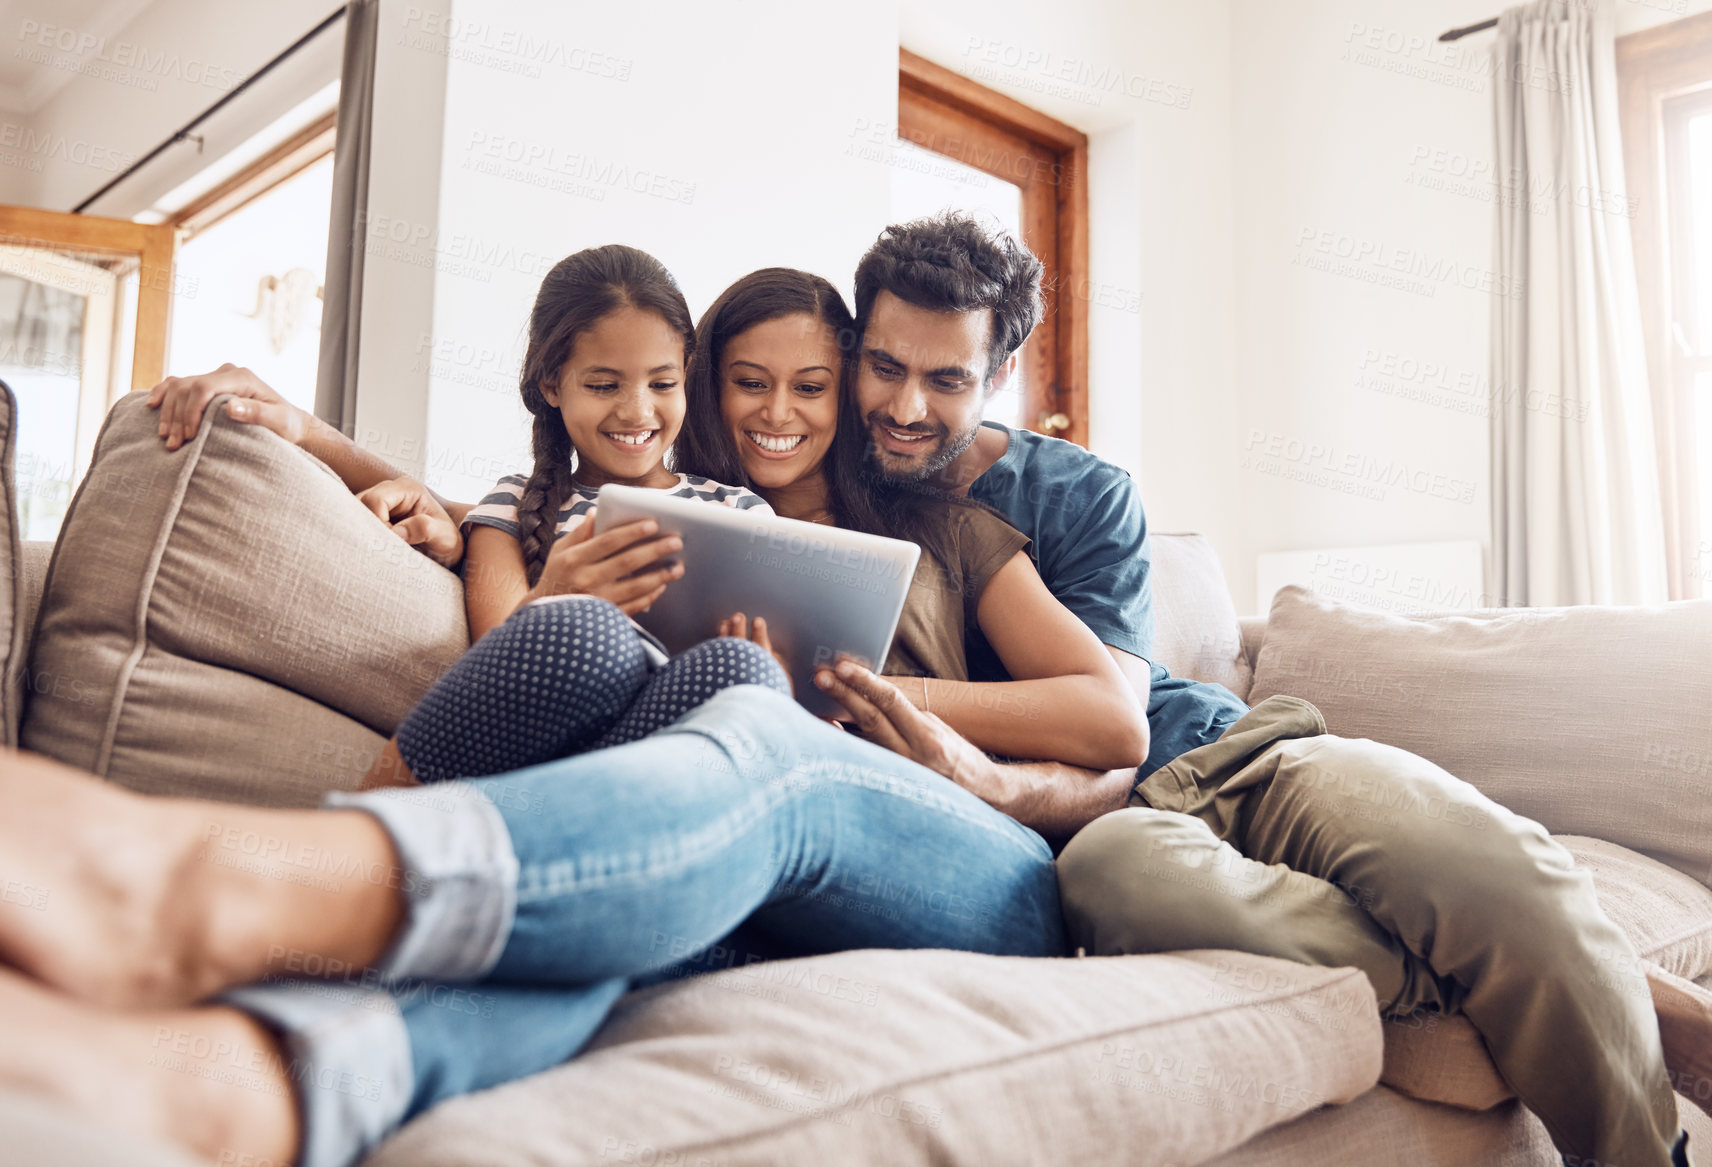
930,1057
1590,720
1195,631
31,575
1666,915
227,620
1383,1126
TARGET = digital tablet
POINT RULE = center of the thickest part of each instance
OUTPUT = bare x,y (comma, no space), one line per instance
824,592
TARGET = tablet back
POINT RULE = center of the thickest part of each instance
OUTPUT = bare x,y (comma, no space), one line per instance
824,592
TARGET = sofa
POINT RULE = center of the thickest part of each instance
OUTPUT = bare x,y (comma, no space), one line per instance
225,621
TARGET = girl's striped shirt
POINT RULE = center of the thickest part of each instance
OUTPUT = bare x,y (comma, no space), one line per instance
499,508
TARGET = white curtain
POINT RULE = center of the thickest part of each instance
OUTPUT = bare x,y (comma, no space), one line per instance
1576,517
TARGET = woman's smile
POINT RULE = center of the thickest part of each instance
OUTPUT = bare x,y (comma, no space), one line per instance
776,445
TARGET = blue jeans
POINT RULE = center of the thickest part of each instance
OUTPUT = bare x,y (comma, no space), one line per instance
537,898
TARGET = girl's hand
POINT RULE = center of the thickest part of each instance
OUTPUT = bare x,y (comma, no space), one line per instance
181,401
608,565
410,509
755,630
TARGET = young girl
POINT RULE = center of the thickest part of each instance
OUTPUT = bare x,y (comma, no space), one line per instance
557,666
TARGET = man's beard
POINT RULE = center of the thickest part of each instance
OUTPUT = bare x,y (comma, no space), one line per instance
887,463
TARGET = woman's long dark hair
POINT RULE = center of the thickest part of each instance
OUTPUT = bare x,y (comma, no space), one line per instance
574,296
859,497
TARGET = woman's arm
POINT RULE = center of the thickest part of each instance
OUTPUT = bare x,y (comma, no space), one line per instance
1069,702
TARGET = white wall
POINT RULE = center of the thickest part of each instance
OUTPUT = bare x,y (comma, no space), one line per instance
711,136
1150,83
1364,147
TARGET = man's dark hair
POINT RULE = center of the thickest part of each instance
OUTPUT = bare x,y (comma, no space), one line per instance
950,262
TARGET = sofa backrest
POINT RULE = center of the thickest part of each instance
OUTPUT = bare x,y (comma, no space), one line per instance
1590,719
1195,629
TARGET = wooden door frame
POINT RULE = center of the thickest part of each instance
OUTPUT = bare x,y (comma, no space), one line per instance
923,89
154,246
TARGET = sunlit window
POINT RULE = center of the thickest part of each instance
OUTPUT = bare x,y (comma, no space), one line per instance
252,285
1687,141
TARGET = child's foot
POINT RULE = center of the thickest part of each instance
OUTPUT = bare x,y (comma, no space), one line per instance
121,899
210,1080
1685,1028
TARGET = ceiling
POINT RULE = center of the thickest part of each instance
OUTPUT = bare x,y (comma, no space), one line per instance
53,41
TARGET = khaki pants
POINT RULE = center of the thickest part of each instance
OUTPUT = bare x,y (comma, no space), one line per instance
1283,840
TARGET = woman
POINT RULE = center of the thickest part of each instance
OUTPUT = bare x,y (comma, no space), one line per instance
480,930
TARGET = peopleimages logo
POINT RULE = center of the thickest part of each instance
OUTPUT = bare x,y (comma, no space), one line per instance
1071,77
34,146
1377,262
87,52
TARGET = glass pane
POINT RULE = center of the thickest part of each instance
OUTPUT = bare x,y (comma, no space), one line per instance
251,288
41,358
924,183
1700,202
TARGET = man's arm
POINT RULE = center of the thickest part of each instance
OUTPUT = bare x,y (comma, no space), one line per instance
1057,799
1054,799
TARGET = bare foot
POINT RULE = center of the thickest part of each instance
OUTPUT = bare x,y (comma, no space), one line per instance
122,899
1685,1027
210,1080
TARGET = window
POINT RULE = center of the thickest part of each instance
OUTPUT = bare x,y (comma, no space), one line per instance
964,146
83,308
254,255
1664,79
1688,187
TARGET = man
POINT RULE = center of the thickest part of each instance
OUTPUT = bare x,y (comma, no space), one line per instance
1250,801
1247,800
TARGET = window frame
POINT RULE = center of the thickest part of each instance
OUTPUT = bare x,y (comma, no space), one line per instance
278,165
945,112
1659,69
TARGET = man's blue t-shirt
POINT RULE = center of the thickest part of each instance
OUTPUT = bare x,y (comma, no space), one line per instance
1090,544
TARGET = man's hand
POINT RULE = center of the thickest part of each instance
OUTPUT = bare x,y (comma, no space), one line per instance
885,716
181,401
415,516
609,565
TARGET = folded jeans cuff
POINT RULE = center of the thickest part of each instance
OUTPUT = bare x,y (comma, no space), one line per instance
347,1055
458,872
